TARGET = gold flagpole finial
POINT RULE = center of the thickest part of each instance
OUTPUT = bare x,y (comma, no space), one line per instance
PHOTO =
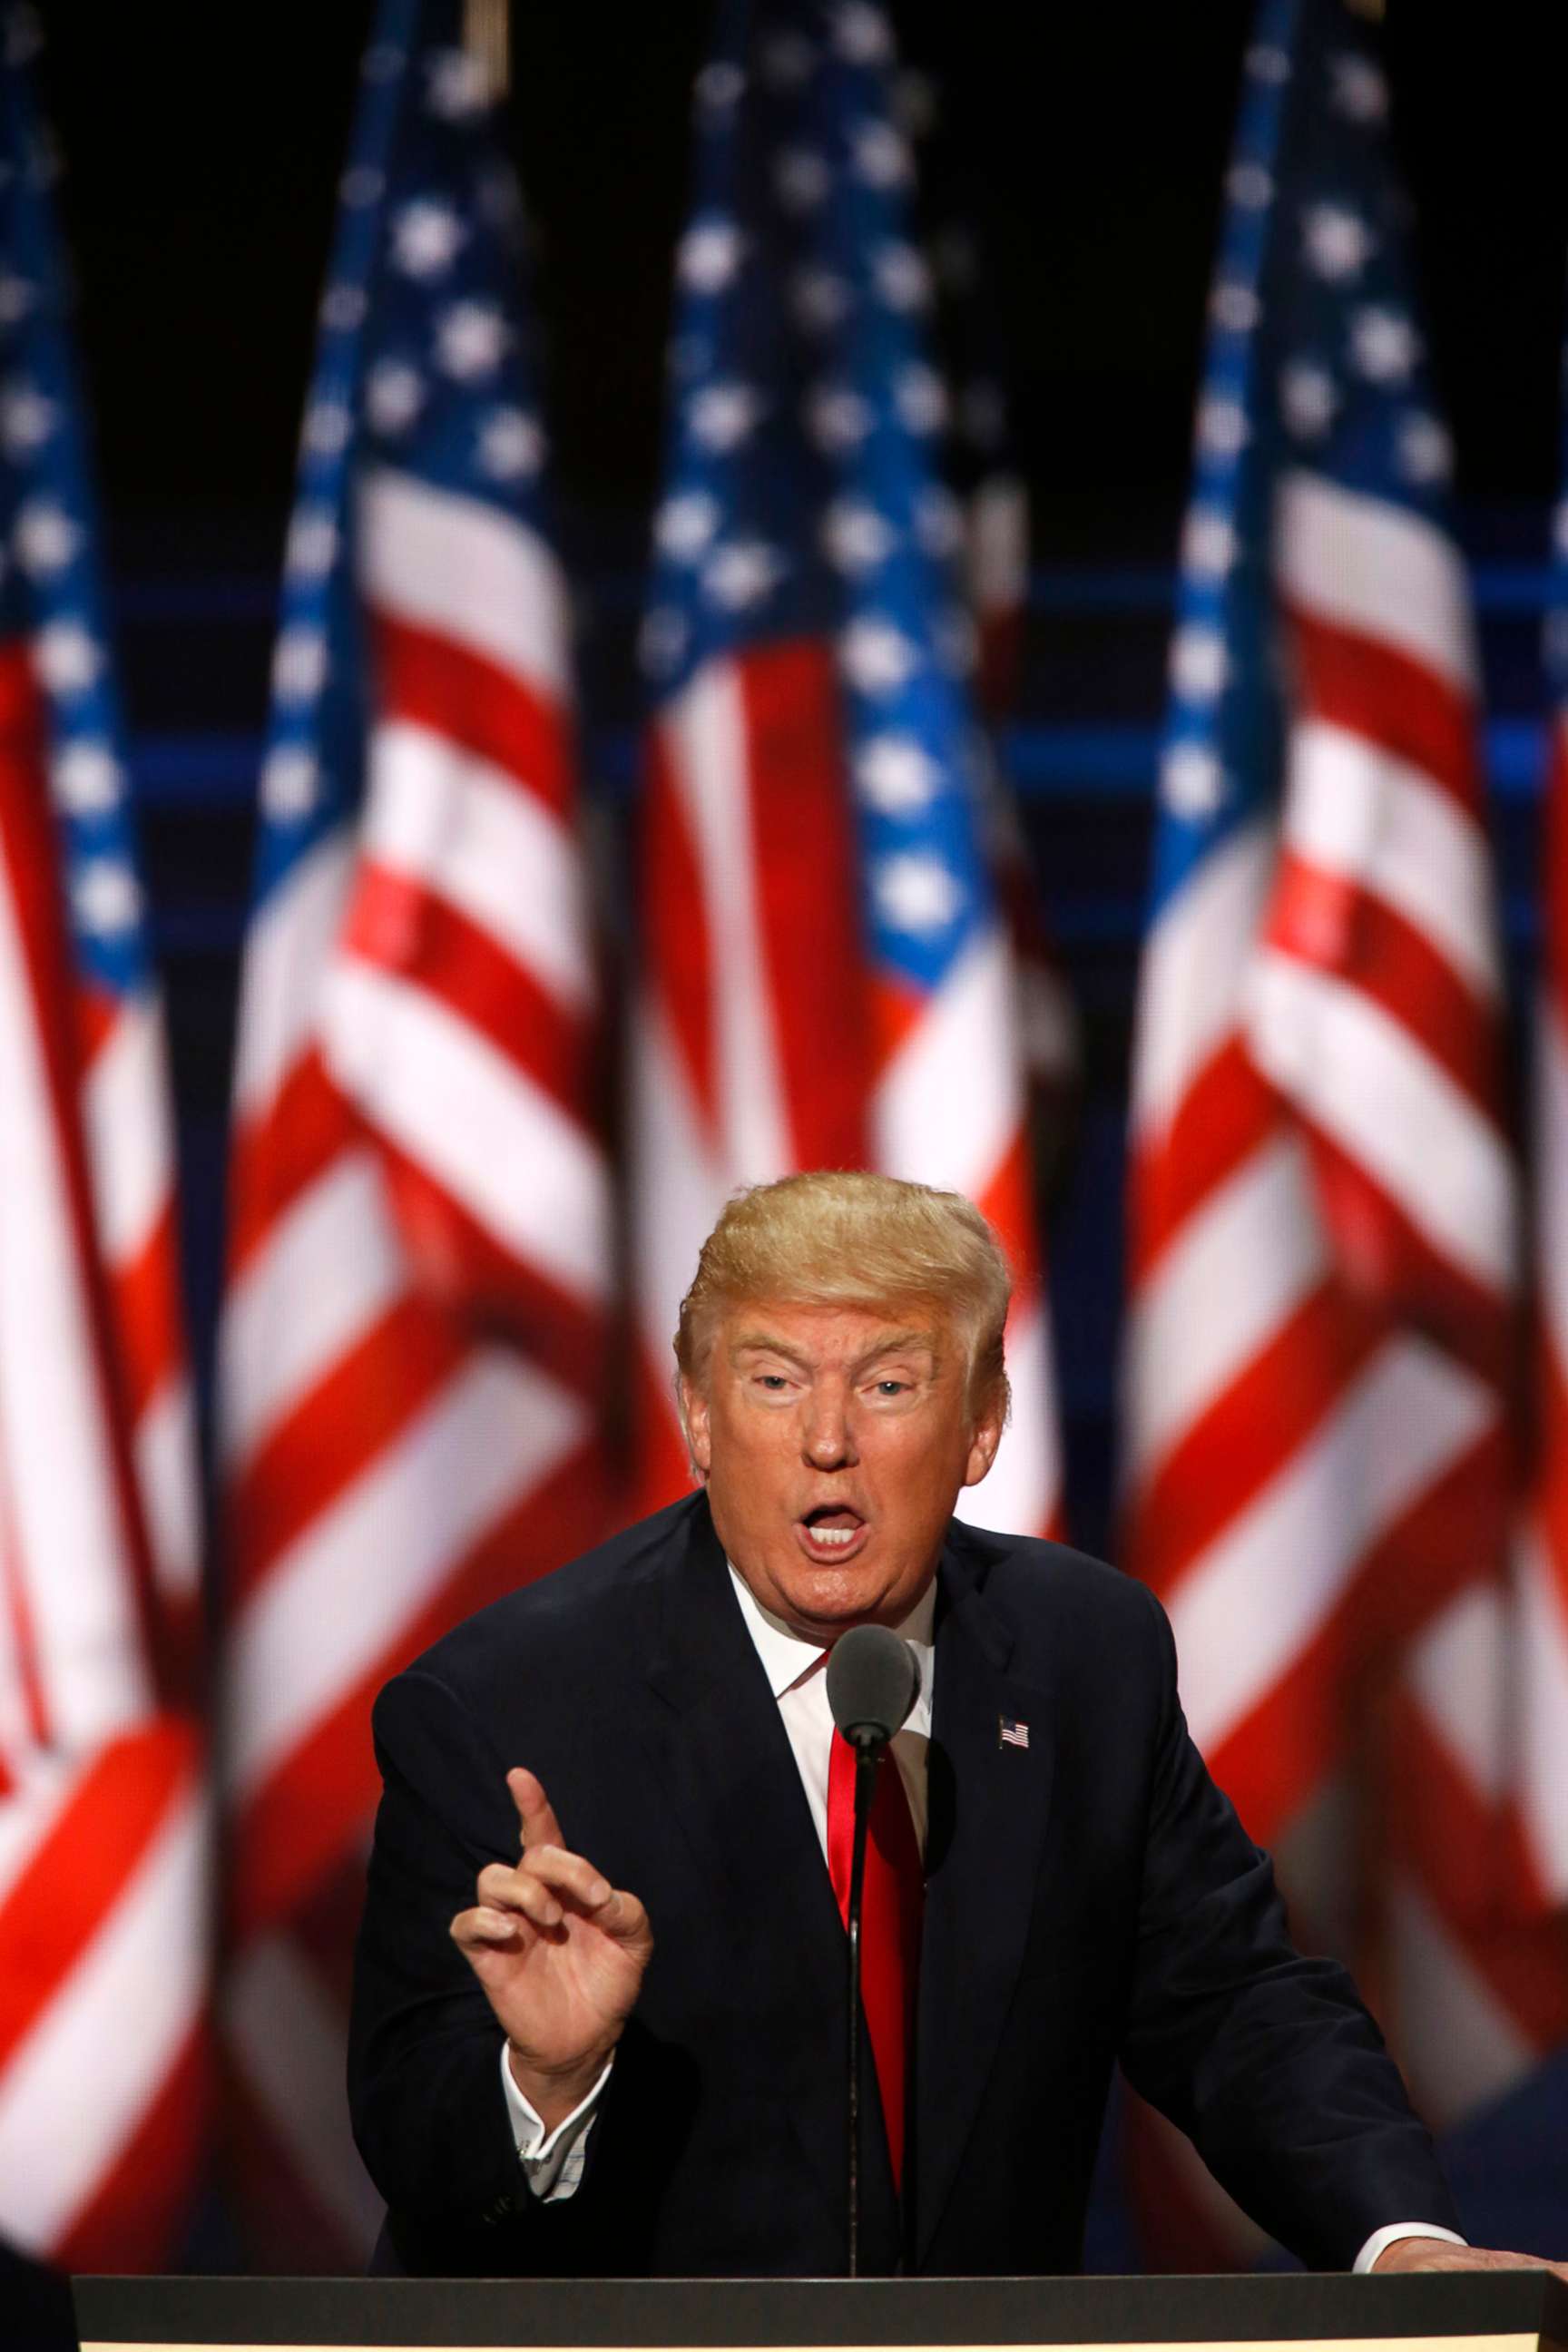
486,37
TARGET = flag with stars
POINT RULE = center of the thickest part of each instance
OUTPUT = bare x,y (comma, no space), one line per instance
419,1244
827,979
1323,1216
102,1851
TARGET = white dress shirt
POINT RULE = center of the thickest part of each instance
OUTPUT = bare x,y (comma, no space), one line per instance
553,2161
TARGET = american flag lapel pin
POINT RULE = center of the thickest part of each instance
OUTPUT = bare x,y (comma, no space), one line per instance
1011,1734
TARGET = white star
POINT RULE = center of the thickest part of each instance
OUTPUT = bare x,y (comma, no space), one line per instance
743,574
685,523
819,298
425,237
1424,450
1337,241
17,298
801,178
1268,64
512,444
45,537
470,337
938,521
1233,306
26,418
68,656
1360,92
897,775
343,308
879,155
312,542
855,536
393,395
720,85
723,415
920,397
290,784
86,777
957,640
709,256
916,894
1199,665
1308,398
661,641
1223,429
861,33
360,185
455,85
1191,781
837,418
299,663
1383,344
902,278
1248,185
106,895
788,59
878,657
1208,543
328,427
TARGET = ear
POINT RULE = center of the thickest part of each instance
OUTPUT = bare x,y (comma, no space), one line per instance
985,1438
694,1419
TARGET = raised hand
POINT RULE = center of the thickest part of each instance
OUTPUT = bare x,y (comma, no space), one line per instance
560,1953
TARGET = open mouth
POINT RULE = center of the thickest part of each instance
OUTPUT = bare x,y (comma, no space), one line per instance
832,1532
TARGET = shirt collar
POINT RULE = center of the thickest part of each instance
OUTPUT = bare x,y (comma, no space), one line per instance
787,1657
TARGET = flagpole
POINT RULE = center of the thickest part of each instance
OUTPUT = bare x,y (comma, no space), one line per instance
487,38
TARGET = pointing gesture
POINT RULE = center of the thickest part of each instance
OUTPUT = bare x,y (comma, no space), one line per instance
560,1953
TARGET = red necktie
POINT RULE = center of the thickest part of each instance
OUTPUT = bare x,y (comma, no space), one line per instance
892,1903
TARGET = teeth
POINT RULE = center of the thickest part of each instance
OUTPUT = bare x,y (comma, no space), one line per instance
833,1535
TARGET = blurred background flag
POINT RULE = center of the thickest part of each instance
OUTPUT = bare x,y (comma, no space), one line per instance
103,1909
419,1254
827,977
1323,1213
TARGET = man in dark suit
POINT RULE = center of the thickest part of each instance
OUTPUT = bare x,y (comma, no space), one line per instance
553,2073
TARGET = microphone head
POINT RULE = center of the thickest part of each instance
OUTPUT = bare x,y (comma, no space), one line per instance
872,1681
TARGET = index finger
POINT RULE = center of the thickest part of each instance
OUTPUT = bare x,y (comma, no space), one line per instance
535,1814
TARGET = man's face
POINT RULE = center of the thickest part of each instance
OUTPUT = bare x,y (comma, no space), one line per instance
833,1441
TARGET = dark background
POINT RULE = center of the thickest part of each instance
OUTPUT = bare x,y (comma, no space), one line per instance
202,147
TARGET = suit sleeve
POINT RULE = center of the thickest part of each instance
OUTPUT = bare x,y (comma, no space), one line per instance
425,2088
1267,2058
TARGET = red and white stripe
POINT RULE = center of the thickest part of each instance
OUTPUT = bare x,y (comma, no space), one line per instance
762,1044
1323,1246
103,1907
420,1263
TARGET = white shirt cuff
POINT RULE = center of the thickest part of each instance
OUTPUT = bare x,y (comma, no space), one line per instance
551,2161
1386,2236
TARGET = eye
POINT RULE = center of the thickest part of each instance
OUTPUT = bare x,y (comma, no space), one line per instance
773,1381
892,1388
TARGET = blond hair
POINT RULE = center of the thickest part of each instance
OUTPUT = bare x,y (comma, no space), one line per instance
842,1237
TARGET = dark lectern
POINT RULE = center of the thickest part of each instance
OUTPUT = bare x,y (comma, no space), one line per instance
1503,2310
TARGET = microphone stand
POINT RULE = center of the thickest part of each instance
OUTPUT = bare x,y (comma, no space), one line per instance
868,1753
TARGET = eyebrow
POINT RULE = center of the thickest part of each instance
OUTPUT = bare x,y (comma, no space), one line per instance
896,1343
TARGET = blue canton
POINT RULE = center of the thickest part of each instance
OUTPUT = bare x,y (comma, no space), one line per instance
803,496
422,363
50,589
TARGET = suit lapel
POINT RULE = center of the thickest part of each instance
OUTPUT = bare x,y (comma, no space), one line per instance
719,1747
988,1804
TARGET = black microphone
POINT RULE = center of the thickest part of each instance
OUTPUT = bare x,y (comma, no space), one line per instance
872,1682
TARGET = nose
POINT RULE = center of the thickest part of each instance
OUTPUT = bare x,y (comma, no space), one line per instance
828,1436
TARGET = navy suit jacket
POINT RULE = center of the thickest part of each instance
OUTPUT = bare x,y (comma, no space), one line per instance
1091,1899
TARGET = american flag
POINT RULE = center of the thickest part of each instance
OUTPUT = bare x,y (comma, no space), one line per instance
102,1841
827,979
1323,1214
419,1246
